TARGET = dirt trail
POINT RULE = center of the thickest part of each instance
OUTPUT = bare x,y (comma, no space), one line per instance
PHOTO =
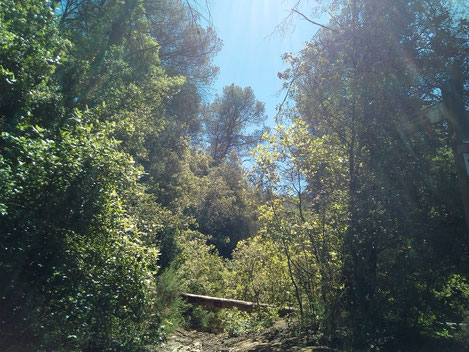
276,339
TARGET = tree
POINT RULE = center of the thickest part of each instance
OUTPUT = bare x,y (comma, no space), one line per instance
305,215
228,121
28,57
79,232
369,67
187,45
218,198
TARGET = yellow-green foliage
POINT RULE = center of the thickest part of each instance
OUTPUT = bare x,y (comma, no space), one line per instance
259,273
201,269
238,323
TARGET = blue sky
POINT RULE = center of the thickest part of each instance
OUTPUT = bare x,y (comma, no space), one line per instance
251,55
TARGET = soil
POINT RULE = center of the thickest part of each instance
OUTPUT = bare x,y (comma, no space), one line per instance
279,338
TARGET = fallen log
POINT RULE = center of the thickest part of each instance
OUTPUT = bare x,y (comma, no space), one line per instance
226,303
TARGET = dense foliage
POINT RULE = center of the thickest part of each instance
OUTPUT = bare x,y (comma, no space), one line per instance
118,188
228,120
369,211
82,102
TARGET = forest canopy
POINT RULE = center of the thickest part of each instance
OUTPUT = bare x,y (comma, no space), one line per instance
120,185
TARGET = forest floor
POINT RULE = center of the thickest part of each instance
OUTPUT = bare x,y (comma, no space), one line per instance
278,338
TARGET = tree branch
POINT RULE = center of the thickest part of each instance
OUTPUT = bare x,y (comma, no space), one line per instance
311,21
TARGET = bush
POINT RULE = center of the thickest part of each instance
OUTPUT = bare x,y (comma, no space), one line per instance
199,267
168,305
74,271
203,319
238,323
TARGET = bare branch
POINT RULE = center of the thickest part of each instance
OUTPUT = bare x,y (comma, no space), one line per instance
311,21
287,94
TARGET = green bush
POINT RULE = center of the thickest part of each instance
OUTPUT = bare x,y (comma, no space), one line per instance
168,305
239,323
74,271
202,319
199,267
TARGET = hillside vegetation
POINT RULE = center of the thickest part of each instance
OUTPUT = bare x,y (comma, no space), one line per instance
120,187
